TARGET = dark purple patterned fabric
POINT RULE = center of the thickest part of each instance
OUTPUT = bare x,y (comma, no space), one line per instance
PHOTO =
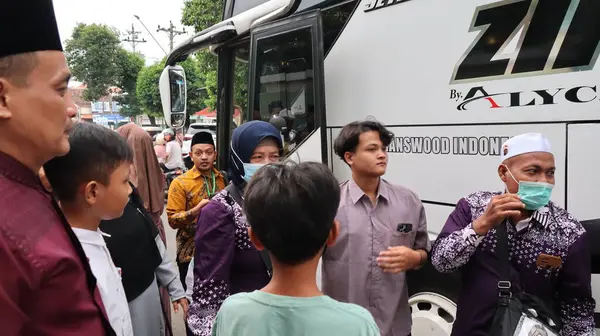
225,262
551,230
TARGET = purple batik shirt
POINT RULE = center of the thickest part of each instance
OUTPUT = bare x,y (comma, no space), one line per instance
225,261
350,270
551,231
46,285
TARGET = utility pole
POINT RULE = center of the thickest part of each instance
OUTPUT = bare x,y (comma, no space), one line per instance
132,37
172,33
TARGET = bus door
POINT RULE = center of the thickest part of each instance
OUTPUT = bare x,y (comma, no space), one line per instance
286,86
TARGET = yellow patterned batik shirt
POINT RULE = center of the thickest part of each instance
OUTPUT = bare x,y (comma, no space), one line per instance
185,193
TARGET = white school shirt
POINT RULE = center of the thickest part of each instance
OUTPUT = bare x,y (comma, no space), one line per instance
108,279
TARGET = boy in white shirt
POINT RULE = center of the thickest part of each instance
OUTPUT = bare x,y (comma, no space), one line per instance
92,184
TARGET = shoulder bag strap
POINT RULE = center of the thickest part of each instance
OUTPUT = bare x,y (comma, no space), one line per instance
234,192
504,284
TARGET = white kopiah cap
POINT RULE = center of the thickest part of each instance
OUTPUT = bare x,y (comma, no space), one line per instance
525,143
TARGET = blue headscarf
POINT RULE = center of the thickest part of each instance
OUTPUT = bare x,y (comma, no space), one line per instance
244,140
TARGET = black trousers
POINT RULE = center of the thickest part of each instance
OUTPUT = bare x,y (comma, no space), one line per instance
183,269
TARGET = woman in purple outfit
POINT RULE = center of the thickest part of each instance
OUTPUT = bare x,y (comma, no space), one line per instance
225,260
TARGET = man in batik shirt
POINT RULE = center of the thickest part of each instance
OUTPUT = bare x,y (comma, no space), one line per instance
189,193
547,245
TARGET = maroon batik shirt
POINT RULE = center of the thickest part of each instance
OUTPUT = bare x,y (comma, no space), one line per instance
46,286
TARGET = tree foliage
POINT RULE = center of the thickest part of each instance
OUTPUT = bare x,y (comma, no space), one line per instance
93,53
130,64
202,14
195,85
147,90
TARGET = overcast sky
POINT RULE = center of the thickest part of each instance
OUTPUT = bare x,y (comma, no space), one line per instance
119,14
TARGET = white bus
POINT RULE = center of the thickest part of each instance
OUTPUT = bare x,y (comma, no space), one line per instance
452,80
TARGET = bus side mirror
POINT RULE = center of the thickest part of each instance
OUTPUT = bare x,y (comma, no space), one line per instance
173,95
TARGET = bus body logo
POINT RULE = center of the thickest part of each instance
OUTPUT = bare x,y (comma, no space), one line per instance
379,4
557,36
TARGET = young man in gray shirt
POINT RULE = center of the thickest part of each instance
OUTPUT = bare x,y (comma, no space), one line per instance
383,232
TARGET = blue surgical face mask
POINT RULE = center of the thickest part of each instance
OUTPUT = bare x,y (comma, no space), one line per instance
533,194
250,169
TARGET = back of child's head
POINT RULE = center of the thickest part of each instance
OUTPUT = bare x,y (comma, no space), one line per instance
96,152
291,209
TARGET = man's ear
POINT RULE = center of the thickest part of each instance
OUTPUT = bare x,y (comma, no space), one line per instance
5,113
257,243
333,233
91,192
502,172
349,158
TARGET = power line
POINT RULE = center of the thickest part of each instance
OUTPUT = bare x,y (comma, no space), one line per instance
171,32
132,37
148,30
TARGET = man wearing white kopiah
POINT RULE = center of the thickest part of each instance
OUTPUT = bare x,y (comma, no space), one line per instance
547,247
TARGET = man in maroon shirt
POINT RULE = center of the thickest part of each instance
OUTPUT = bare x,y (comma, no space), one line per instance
46,285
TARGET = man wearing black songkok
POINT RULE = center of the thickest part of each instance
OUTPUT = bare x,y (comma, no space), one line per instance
46,285
189,193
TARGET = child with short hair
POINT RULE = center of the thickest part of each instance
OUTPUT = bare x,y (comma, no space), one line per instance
92,184
291,211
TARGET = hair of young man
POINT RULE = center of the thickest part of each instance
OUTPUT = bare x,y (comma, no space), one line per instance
348,139
16,68
291,209
96,152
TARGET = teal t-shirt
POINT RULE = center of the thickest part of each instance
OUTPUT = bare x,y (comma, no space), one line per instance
263,314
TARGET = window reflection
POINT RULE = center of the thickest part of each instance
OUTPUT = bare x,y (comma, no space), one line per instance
284,85
177,91
240,86
334,19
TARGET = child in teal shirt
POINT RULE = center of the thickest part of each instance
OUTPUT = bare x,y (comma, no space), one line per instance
291,211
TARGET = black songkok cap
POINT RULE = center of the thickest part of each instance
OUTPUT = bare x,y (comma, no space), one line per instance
202,138
27,26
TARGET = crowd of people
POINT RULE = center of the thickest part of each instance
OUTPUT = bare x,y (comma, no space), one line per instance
83,249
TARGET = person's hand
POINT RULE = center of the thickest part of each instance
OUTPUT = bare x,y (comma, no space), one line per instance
196,210
184,303
398,259
500,207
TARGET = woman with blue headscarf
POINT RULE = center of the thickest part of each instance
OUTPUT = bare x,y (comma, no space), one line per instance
225,260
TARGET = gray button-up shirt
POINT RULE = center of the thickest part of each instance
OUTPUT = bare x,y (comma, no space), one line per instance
350,271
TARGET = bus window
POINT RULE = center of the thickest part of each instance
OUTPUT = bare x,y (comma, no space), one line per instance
284,84
334,19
